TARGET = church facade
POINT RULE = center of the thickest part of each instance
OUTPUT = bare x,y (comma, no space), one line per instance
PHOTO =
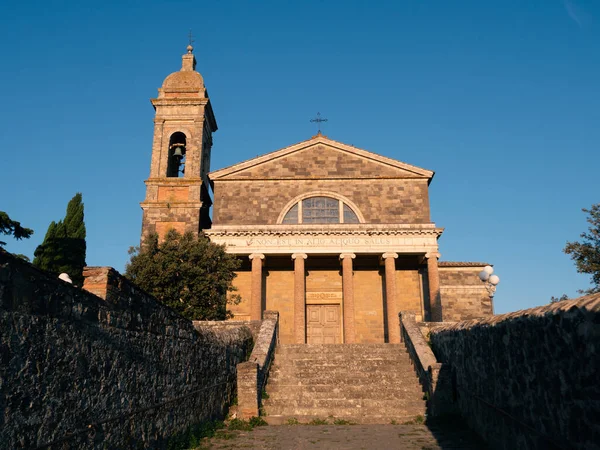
336,238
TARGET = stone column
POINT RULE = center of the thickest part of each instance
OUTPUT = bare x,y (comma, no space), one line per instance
299,298
435,301
348,293
390,298
256,298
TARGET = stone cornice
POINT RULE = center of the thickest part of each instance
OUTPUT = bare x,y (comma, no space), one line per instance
321,230
169,101
171,205
173,181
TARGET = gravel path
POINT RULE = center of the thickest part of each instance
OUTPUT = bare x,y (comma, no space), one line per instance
348,437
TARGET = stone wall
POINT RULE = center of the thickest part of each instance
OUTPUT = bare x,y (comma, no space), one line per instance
124,372
528,379
463,295
252,375
381,201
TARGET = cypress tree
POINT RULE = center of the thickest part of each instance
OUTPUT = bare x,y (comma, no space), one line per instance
63,248
75,242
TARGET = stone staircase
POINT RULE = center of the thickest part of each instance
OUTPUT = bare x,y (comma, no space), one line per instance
360,383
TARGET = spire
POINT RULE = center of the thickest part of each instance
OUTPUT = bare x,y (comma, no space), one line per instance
188,62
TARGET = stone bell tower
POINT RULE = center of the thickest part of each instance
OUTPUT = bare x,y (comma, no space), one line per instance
177,189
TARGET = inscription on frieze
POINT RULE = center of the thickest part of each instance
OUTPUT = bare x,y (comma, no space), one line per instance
317,242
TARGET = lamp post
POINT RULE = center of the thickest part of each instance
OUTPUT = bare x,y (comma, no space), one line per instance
490,281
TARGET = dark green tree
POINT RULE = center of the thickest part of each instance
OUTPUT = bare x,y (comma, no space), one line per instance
586,253
190,274
12,228
64,247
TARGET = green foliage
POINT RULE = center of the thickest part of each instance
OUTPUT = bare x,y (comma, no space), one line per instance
343,422
239,424
554,299
190,274
64,247
12,228
586,254
317,421
264,395
292,421
257,422
191,437
418,420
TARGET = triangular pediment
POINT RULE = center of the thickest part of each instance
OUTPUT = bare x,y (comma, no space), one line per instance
320,158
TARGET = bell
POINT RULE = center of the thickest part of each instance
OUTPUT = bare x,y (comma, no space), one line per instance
178,153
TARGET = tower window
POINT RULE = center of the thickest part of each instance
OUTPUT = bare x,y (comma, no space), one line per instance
177,151
320,210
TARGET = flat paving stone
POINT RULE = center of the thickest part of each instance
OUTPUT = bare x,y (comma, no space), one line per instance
348,437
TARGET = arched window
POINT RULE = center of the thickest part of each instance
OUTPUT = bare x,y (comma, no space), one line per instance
177,150
320,210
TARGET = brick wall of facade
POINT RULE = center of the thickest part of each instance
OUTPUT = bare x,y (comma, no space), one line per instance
463,295
408,286
369,297
243,283
260,202
321,161
368,306
280,297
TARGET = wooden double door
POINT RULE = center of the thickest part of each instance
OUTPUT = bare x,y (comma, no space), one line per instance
323,324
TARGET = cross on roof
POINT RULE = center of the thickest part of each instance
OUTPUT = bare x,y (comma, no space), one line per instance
318,121
190,37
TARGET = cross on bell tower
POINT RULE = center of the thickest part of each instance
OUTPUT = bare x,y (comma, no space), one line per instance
177,189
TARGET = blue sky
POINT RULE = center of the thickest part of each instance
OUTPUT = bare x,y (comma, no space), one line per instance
501,98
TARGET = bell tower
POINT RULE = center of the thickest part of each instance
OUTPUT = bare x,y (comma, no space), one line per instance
177,189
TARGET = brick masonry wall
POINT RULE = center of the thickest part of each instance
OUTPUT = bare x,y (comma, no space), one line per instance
464,296
259,202
321,161
71,359
528,379
280,297
243,283
368,306
408,285
368,298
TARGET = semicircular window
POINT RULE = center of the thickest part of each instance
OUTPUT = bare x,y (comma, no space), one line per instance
320,210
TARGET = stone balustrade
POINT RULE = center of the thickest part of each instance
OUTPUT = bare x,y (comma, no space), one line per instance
252,375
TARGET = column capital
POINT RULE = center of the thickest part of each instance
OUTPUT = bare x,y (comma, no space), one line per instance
299,255
430,255
389,255
256,255
347,255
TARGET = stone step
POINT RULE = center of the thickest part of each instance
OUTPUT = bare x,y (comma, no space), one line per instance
366,383
340,348
281,390
314,402
334,375
356,419
344,412
339,359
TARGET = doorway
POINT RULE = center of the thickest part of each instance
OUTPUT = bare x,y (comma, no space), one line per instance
323,324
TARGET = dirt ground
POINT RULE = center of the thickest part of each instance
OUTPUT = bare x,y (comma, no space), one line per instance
348,437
